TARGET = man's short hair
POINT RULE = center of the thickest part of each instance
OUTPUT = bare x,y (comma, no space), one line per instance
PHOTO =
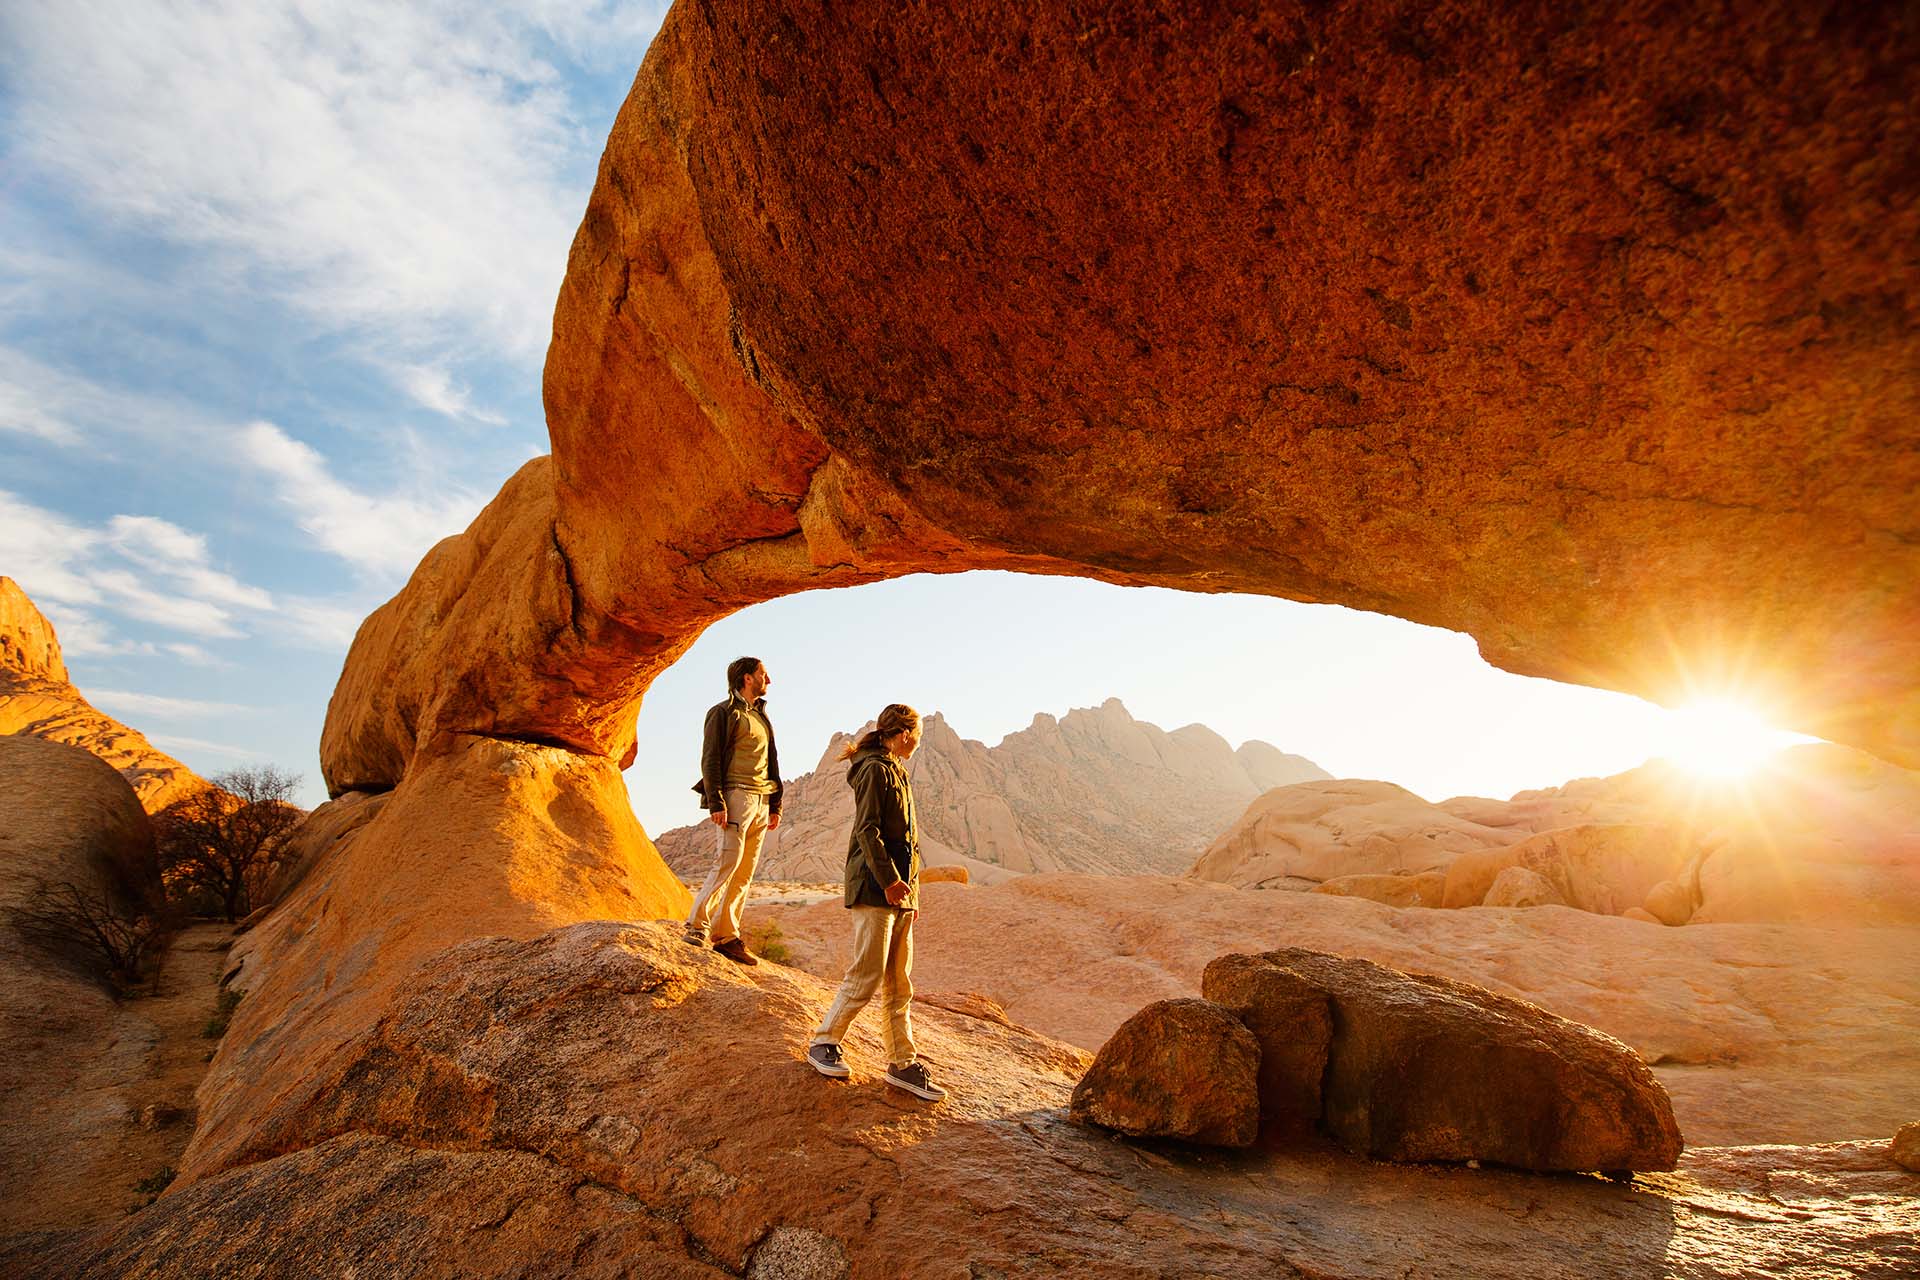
738,670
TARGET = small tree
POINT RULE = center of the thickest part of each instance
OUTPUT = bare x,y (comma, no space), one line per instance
217,841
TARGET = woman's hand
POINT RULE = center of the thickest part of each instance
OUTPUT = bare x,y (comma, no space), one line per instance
897,892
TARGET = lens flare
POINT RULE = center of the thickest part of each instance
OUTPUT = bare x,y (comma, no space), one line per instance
1720,738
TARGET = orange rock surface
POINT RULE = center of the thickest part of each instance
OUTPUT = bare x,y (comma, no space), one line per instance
37,698
507,1116
1788,1033
69,1051
1586,335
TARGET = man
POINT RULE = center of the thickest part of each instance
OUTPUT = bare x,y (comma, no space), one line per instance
740,788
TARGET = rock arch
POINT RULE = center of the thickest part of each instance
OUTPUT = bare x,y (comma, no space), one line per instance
1586,330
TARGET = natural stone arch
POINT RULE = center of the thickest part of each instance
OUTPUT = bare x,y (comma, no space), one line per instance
1589,334
1586,331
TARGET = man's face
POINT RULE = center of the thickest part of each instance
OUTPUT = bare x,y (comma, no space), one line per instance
755,685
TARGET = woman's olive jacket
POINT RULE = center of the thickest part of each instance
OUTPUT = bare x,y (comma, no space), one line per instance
885,844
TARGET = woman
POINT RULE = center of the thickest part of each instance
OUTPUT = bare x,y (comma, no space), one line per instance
883,892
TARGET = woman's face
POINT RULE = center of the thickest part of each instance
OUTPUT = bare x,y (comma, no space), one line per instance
904,743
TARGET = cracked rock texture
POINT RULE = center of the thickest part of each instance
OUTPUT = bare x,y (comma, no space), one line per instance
1426,1068
1186,1069
1775,1033
563,1156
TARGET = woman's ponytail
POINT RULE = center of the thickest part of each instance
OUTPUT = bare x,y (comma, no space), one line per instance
895,717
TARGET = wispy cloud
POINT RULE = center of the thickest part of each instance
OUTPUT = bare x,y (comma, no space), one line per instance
175,742
153,572
404,168
433,386
153,704
386,534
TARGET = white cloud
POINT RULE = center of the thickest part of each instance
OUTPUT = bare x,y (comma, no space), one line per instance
386,534
152,571
168,550
153,704
433,386
393,167
37,399
132,596
174,742
43,551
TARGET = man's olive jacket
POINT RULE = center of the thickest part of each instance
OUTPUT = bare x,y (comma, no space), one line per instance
723,728
885,844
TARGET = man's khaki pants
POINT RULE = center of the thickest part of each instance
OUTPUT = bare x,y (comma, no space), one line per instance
882,960
716,908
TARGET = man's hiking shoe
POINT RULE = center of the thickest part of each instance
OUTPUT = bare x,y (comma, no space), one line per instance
913,1078
694,938
826,1059
736,951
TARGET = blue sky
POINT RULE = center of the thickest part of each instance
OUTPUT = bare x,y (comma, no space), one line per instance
275,287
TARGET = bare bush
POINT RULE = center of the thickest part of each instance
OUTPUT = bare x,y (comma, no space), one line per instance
96,930
221,842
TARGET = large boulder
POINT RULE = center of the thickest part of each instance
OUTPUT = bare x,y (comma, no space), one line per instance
1425,1068
1309,833
1906,1146
67,1048
1183,1069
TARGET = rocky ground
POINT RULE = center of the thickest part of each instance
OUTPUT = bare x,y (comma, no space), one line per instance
606,1101
130,1112
1762,1033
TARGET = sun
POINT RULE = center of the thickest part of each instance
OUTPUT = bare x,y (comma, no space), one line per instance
1720,738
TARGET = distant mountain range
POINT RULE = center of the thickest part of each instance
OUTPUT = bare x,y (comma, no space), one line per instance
1094,790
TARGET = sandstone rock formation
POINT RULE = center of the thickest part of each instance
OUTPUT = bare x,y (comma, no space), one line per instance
1906,1146
504,1118
1787,1033
1521,887
1425,1068
1298,836
1094,790
37,698
66,817
1585,338
1185,1069
1428,889
1819,832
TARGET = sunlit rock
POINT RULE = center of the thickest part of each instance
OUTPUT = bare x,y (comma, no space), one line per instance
1184,1069
1424,1068
37,698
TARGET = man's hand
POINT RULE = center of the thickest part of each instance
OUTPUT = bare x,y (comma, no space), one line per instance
897,892
773,822
719,817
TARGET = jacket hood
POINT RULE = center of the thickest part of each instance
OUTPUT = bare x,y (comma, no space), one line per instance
861,757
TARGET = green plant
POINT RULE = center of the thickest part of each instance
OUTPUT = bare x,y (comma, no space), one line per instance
224,1005
769,943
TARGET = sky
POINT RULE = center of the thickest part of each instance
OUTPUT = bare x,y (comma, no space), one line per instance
276,281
